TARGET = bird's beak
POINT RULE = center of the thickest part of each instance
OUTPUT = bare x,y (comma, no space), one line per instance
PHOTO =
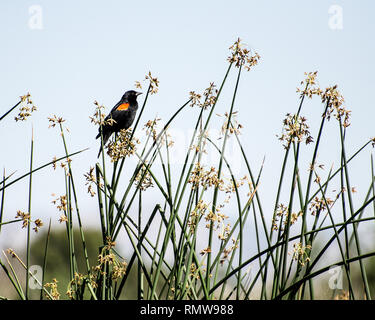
138,93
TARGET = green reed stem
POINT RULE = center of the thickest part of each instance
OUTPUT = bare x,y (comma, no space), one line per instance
2,202
39,168
29,211
349,193
10,110
216,190
13,279
71,179
45,258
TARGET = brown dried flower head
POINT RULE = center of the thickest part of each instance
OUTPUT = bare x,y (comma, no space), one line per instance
150,128
122,146
234,126
335,101
319,205
90,181
283,211
109,243
107,260
295,130
98,118
205,251
195,98
228,251
205,178
38,224
63,218
65,165
209,94
75,284
196,214
54,120
24,216
154,83
301,253
26,109
53,289
331,96
241,56
61,203
232,185
138,85
26,219
143,180
309,85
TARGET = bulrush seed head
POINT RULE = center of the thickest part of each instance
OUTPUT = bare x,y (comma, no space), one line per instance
241,56
295,130
122,146
26,109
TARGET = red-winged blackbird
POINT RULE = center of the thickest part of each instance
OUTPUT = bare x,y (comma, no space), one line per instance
123,113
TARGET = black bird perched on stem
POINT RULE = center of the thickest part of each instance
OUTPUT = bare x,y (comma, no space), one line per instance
123,114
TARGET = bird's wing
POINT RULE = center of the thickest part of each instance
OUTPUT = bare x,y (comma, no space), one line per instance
119,107
114,109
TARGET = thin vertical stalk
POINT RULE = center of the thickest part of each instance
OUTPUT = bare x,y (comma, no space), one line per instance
372,179
2,201
284,250
45,258
71,179
106,215
308,187
139,247
349,192
216,190
29,211
184,184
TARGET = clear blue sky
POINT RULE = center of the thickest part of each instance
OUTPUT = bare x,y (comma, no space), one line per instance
95,50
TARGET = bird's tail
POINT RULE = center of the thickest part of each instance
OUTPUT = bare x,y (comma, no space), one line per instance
106,136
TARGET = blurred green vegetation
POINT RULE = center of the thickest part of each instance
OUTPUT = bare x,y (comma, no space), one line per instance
57,265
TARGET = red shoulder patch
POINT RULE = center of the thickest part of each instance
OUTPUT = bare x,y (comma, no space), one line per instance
123,106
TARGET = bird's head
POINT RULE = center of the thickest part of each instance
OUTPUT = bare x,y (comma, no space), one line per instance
131,96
